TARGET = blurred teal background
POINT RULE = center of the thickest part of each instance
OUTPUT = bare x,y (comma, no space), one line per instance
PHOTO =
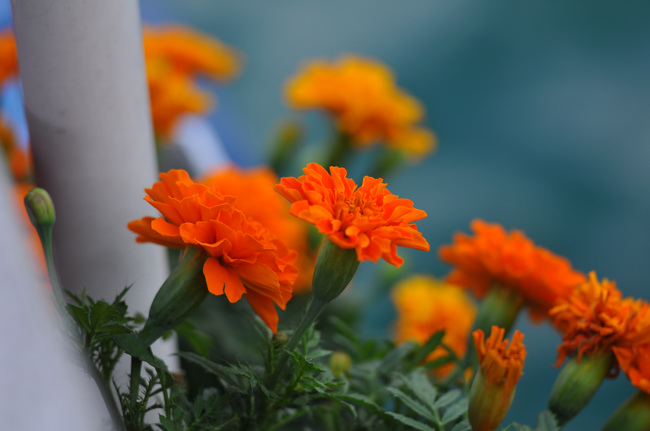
542,111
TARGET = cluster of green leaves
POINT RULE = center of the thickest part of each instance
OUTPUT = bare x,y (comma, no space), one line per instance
385,388
378,385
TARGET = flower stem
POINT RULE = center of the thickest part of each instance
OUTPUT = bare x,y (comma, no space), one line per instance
339,150
314,308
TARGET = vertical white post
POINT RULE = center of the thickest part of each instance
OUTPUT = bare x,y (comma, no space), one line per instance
87,106
43,388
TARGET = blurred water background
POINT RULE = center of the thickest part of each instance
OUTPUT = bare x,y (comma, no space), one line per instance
542,113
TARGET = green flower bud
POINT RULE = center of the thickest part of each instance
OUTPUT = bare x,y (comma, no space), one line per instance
335,267
182,292
340,363
632,415
279,339
577,384
40,208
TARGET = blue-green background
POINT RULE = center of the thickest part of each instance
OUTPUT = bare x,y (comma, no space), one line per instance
542,111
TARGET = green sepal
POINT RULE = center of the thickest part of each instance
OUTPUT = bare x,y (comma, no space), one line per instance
182,292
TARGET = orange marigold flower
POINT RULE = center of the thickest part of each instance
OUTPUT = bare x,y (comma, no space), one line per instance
191,52
9,56
635,362
493,389
425,306
595,317
366,104
242,256
253,189
369,219
175,56
512,260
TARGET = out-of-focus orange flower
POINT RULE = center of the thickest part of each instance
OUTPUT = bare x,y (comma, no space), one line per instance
595,318
635,362
8,56
369,219
19,161
242,256
190,52
175,57
513,261
172,96
493,389
253,189
425,306
366,104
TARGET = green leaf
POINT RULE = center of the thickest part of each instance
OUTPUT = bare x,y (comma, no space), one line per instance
410,422
132,345
199,340
412,404
361,399
423,351
520,427
418,382
455,411
395,356
100,313
447,398
166,423
80,315
303,365
462,426
211,367
546,422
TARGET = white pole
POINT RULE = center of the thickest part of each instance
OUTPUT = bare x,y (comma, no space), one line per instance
42,388
87,106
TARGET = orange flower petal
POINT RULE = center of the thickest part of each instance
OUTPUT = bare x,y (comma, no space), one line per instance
222,280
369,219
513,261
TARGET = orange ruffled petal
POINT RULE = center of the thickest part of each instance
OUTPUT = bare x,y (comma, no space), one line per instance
253,189
494,256
369,219
500,363
242,256
596,318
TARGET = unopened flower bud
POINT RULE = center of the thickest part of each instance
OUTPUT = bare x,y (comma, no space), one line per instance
499,371
40,208
577,384
335,267
182,292
632,415
279,339
340,363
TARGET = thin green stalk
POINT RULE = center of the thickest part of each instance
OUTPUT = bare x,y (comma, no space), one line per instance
136,368
314,308
45,234
339,150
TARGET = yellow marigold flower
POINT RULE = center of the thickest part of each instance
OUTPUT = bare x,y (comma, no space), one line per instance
368,219
425,306
8,56
253,189
175,56
366,104
595,318
513,261
493,389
